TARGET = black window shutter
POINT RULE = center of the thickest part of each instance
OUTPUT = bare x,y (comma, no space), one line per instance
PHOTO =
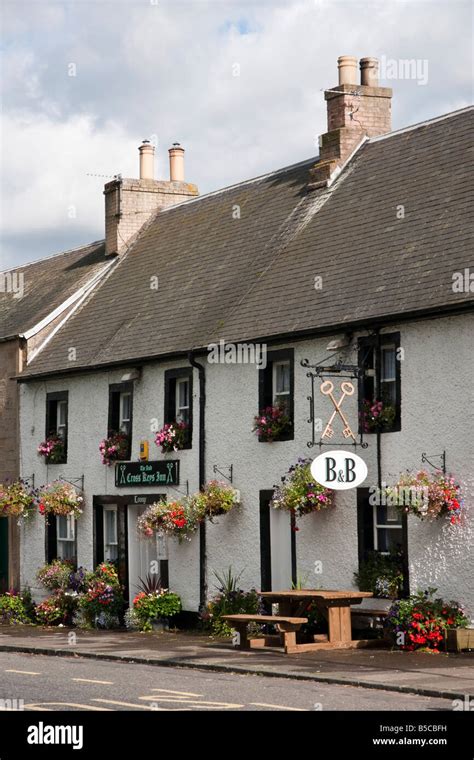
51,536
164,573
265,390
170,399
51,416
98,534
365,524
114,411
265,545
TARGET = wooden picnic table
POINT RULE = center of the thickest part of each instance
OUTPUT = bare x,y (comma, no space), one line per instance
334,605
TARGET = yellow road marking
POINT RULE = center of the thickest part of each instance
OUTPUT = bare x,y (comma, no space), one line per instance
186,701
24,672
181,693
40,706
91,680
124,704
278,707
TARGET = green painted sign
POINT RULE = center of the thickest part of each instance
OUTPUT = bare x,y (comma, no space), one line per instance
163,473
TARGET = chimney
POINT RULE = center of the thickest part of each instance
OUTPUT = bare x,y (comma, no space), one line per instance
147,160
130,203
176,163
353,112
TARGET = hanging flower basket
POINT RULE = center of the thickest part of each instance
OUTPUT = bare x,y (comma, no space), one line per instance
17,500
377,416
52,449
172,518
427,496
59,498
272,423
114,448
172,437
299,493
215,499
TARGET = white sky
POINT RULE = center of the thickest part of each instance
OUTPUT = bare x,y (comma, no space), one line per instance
165,68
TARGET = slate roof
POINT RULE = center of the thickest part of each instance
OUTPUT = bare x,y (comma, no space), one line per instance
253,277
48,283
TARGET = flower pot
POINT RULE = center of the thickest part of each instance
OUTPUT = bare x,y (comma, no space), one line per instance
160,624
459,639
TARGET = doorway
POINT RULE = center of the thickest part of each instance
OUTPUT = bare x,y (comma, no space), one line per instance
277,547
145,555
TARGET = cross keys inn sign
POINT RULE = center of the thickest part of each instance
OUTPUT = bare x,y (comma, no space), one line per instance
160,473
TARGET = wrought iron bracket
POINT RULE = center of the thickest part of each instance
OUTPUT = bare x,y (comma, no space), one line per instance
74,481
178,490
442,458
230,470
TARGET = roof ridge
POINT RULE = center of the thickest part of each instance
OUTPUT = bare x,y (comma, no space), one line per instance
241,184
420,124
53,256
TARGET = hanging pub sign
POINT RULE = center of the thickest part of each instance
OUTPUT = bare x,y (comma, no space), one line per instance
160,473
339,470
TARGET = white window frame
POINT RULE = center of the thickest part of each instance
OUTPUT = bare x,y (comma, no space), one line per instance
279,396
387,380
125,422
180,381
70,537
61,427
110,508
391,524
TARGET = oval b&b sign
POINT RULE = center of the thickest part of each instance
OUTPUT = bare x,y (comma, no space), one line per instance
339,470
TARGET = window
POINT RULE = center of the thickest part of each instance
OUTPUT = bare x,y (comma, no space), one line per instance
120,418
388,530
276,386
380,382
56,421
110,534
179,399
65,537
182,400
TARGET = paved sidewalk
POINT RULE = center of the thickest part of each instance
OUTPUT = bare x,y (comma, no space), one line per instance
442,675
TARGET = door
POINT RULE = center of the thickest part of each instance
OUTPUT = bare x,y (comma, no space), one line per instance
277,547
145,555
3,554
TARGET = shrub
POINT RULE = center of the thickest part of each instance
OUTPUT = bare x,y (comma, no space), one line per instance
230,600
381,574
154,606
299,493
57,609
419,622
101,604
12,609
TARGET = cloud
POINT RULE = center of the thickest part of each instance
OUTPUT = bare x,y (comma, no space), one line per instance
169,69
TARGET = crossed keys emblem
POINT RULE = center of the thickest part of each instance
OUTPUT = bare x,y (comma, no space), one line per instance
347,390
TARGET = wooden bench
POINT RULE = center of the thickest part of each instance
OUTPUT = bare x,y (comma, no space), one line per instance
287,626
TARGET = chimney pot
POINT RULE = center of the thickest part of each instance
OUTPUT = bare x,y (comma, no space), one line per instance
369,72
176,163
147,160
347,66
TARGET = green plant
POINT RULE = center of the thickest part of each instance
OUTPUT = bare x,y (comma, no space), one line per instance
272,423
151,584
55,575
101,604
154,606
12,609
28,604
230,600
216,498
173,518
17,500
377,416
57,609
60,498
299,493
381,574
427,496
420,621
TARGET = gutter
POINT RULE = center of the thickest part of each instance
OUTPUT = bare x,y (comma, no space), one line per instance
202,475
306,333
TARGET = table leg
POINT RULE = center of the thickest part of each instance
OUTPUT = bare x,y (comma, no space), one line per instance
340,627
